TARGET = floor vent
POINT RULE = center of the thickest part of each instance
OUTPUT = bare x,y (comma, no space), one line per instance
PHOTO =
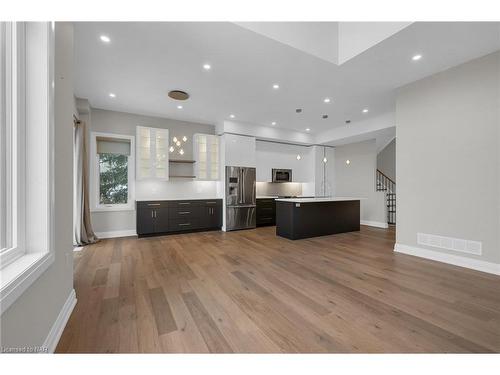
450,243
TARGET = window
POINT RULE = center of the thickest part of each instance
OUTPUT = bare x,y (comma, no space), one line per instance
113,172
12,125
26,144
113,179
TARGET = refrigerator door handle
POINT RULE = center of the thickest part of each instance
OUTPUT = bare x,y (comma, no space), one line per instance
241,186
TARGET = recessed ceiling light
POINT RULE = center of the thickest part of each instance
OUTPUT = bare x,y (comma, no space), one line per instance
273,123
111,95
105,39
232,116
276,86
174,139
181,151
184,139
307,129
416,57
207,66
348,162
171,149
298,157
365,110
326,100
179,107
325,160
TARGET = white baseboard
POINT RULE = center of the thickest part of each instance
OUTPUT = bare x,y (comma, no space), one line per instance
456,260
58,327
378,224
116,233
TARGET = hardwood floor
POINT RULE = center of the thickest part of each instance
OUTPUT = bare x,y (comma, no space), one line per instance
250,291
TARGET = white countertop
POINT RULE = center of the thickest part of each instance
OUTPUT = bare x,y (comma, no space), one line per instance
276,197
177,199
319,199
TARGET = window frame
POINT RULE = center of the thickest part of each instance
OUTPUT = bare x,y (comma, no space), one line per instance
27,170
96,206
13,113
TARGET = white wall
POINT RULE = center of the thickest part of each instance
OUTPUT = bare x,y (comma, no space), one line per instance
386,160
324,173
238,151
271,155
125,123
357,179
448,158
29,319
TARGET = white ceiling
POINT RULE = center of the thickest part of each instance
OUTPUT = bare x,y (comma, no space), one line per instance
144,61
335,42
320,39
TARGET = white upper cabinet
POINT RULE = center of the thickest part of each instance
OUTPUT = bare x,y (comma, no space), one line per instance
152,153
239,150
207,157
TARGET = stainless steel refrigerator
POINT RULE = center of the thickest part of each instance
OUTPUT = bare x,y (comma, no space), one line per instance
240,198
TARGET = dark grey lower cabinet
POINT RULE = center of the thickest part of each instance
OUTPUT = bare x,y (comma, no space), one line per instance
145,220
212,216
162,217
266,212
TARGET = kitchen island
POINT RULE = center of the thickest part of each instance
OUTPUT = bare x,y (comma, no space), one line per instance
298,218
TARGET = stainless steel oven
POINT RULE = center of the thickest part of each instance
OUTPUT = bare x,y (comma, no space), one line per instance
282,175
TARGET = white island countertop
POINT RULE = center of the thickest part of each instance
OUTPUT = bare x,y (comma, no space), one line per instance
319,199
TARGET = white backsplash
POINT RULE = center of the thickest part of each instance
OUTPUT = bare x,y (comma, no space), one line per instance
177,189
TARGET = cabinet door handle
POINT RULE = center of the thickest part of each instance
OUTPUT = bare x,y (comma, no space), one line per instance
155,213
184,212
211,202
184,224
184,203
153,204
152,213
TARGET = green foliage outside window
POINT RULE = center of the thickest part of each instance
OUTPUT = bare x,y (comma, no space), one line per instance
113,179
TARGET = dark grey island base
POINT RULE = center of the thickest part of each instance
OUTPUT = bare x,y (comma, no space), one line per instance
297,219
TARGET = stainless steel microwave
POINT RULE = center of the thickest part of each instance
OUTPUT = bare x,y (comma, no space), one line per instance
282,175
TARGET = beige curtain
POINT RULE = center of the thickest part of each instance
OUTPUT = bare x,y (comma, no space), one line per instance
83,233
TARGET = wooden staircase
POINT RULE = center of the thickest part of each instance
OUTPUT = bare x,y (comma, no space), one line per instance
386,184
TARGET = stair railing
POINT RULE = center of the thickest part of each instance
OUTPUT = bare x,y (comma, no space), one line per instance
385,183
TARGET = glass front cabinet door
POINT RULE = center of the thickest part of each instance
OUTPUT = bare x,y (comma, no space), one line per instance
152,153
206,154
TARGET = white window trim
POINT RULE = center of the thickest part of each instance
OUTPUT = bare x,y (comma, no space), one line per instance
94,179
20,268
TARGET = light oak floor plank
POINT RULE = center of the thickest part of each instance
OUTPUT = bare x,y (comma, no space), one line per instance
253,292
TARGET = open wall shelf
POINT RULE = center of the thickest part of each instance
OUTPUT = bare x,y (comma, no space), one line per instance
182,161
